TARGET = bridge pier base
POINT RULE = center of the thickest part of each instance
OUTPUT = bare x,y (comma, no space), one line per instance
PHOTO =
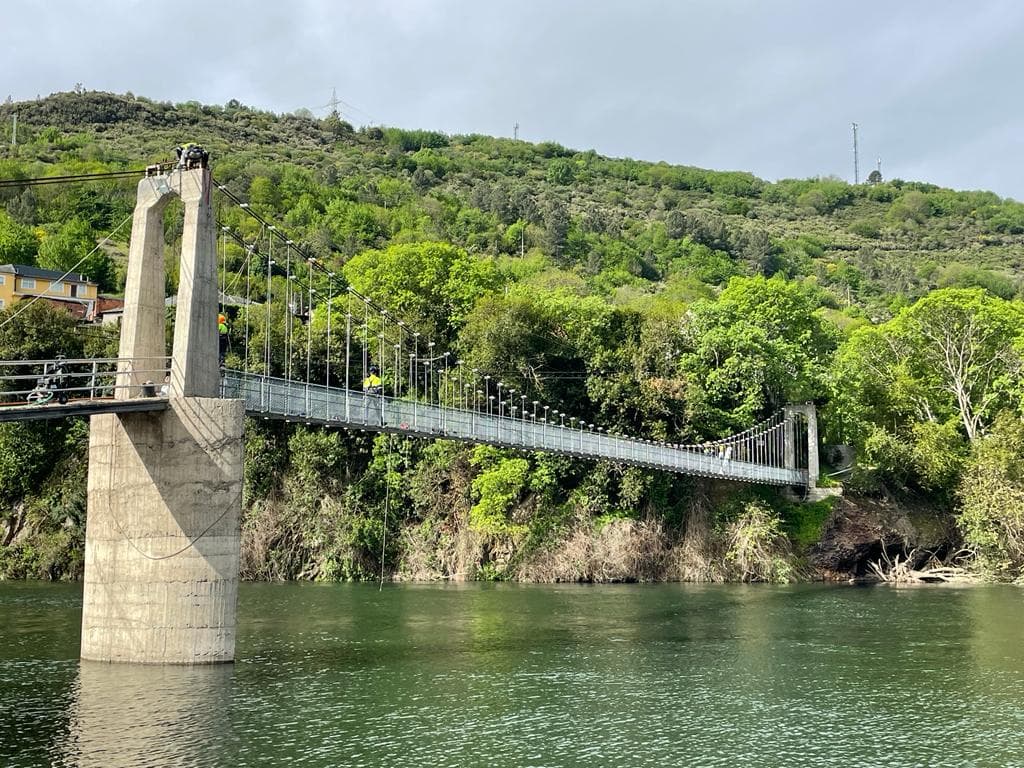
162,535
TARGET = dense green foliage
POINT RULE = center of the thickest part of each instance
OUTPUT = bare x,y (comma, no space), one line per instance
672,302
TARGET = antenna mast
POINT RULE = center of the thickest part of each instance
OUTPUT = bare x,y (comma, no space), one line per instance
856,169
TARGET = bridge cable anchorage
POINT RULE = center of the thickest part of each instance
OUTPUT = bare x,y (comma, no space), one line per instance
75,266
117,523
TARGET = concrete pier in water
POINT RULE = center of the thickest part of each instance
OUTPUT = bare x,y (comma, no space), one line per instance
165,489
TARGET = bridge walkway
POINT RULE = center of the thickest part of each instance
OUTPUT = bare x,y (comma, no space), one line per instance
275,398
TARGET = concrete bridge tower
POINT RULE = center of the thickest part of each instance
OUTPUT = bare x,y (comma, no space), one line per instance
165,488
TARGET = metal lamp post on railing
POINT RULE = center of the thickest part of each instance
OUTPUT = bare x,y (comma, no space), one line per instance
458,368
512,426
441,379
430,377
457,379
415,378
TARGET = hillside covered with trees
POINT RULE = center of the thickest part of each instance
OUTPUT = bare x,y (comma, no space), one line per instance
668,301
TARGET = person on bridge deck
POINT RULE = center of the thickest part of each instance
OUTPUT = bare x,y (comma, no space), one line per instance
372,384
222,337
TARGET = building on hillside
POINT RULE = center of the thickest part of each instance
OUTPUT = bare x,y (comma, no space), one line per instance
109,310
73,292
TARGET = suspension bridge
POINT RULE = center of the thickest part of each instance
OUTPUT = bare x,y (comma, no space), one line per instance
166,432
757,455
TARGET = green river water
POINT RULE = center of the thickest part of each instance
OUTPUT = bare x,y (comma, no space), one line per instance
510,675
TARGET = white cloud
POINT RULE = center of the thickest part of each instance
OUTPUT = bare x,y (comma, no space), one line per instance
740,84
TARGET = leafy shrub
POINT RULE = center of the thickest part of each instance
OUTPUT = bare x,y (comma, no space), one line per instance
992,499
871,228
757,549
496,488
969,276
411,141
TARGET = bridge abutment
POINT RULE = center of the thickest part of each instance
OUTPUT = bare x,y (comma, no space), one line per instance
162,534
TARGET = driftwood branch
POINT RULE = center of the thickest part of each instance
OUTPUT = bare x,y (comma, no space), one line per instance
899,570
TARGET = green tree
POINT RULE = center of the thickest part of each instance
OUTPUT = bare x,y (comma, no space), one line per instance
432,286
950,354
758,346
912,206
542,342
915,391
497,487
38,332
30,450
65,249
561,171
992,499
18,244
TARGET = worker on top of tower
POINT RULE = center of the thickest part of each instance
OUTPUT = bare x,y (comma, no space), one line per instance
191,155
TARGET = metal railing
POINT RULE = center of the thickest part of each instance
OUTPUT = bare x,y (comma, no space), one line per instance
317,404
39,382
755,455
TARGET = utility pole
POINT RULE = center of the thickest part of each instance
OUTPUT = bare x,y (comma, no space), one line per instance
14,132
515,131
856,170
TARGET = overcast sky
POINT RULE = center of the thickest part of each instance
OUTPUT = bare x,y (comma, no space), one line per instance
768,87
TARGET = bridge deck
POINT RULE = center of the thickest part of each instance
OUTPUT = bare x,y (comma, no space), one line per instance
31,412
295,401
316,404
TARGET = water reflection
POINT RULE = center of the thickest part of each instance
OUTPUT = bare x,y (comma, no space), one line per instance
130,715
533,675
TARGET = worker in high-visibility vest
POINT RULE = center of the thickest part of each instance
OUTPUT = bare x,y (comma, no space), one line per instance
372,385
222,338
